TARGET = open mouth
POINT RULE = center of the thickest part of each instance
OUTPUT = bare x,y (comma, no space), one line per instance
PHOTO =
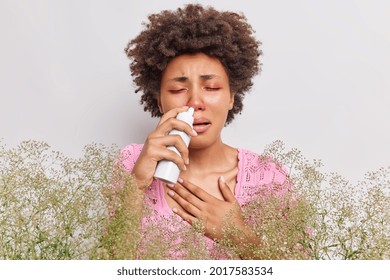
201,125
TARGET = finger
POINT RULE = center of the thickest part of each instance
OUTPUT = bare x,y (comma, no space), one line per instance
185,216
172,113
175,141
158,149
174,124
165,124
182,148
195,190
186,205
188,196
225,190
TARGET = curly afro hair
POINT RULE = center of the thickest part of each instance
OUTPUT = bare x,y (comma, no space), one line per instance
192,29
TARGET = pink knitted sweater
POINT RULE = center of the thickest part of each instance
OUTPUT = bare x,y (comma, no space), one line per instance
256,175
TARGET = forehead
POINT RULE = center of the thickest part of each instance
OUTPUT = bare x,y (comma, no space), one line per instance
194,64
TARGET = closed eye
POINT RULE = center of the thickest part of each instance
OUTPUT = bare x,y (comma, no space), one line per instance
212,89
177,90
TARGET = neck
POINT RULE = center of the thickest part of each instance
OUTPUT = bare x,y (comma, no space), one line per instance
212,158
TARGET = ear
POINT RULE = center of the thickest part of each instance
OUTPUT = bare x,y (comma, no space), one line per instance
159,105
231,101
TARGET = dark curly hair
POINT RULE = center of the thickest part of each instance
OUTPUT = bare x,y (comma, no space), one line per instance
192,29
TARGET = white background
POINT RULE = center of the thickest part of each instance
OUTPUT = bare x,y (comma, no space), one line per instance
324,88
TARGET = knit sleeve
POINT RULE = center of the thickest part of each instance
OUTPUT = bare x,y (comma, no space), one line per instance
123,163
129,156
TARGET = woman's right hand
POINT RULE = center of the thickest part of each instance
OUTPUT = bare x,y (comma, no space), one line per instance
155,147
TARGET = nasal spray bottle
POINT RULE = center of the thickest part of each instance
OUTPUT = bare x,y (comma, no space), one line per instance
167,171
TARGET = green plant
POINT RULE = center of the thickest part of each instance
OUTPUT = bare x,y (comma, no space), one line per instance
51,206
345,221
56,207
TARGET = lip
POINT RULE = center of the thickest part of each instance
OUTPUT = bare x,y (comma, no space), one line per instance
201,125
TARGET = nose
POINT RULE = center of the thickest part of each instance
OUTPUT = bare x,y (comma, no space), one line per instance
196,99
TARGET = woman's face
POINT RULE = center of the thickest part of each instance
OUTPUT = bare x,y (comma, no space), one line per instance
199,81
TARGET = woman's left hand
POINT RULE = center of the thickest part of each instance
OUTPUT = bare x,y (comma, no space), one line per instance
214,213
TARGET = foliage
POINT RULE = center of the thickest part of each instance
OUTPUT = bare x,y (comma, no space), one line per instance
56,207
345,221
51,206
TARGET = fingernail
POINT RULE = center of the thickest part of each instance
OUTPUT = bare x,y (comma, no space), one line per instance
222,179
174,210
170,185
194,133
184,168
187,161
180,180
171,193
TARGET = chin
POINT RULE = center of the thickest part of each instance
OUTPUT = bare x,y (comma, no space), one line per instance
201,142
196,144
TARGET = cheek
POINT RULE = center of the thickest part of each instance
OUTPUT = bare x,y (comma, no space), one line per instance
169,101
220,102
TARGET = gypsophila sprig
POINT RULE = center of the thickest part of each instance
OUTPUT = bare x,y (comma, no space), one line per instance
56,207
345,221
51,206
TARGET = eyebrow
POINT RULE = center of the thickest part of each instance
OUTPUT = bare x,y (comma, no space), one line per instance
206,77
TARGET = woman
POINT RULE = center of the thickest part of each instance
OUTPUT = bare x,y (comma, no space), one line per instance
205,59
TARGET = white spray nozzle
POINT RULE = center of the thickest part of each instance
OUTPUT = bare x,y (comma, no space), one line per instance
191,111
187,116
